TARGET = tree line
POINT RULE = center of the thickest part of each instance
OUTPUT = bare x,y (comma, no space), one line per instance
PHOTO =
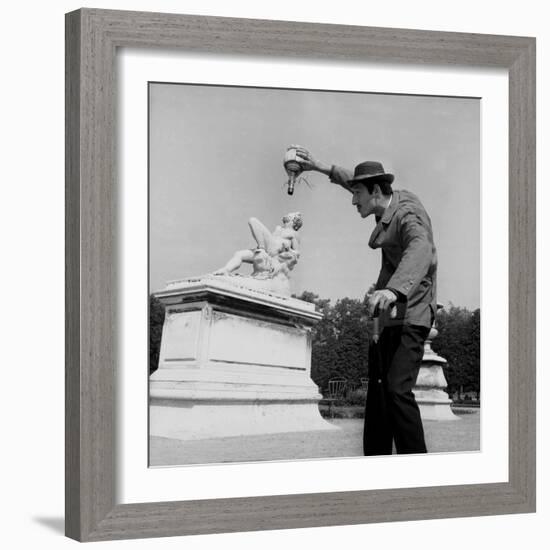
340,341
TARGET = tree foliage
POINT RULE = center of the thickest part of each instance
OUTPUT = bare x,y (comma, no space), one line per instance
458,342
340,341
156,321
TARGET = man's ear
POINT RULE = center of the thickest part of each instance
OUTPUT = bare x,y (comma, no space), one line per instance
376,191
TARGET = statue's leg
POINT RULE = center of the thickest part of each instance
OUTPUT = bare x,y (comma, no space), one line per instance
235,262
261,234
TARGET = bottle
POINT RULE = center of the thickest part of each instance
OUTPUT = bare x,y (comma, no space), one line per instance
292,167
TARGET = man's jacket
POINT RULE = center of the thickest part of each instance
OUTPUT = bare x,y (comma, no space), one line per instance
409,257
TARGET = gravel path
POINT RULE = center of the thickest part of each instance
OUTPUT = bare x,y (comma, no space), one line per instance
441,436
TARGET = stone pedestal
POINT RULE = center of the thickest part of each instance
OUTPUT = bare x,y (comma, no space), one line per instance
233,361
429,391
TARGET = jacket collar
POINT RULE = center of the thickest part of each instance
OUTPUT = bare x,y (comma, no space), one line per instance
391,209
385,218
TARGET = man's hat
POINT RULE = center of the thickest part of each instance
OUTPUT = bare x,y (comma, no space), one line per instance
370,171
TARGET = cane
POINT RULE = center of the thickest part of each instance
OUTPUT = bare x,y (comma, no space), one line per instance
375,339
376,406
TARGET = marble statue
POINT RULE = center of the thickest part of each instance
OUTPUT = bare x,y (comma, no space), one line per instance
275,255
235,356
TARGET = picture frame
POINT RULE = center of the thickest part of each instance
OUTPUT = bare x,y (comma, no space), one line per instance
92,39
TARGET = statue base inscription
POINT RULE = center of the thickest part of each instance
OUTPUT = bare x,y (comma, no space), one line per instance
233,361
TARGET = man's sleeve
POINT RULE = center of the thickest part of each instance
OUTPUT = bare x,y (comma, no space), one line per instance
341,176
418,253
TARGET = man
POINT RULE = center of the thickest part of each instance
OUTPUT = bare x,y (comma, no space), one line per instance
404,299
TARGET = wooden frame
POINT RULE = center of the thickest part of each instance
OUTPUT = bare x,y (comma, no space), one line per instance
92,37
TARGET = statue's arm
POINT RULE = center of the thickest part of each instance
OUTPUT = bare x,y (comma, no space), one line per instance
295,244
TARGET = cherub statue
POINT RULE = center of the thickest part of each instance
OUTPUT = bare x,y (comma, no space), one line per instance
276,254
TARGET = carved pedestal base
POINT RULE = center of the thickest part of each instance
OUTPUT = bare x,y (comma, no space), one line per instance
433,401
429,391
233,362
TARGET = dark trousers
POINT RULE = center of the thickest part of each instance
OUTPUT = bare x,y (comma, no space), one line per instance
391,412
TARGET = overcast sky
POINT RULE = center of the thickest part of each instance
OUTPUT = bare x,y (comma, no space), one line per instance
216,160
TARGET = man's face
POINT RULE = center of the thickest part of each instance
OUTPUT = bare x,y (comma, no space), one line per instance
364,201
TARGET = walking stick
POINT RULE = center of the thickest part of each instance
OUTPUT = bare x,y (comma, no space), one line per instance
376,405
375,339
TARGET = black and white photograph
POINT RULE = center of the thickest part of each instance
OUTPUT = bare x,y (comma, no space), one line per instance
314,274
271,275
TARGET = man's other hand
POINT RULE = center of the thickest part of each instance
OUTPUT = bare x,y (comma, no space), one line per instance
384,300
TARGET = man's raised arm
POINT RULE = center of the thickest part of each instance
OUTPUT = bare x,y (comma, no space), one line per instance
336,174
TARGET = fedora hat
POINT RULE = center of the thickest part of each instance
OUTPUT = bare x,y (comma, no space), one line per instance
370,171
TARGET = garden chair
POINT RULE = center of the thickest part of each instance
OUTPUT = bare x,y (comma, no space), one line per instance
336,391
